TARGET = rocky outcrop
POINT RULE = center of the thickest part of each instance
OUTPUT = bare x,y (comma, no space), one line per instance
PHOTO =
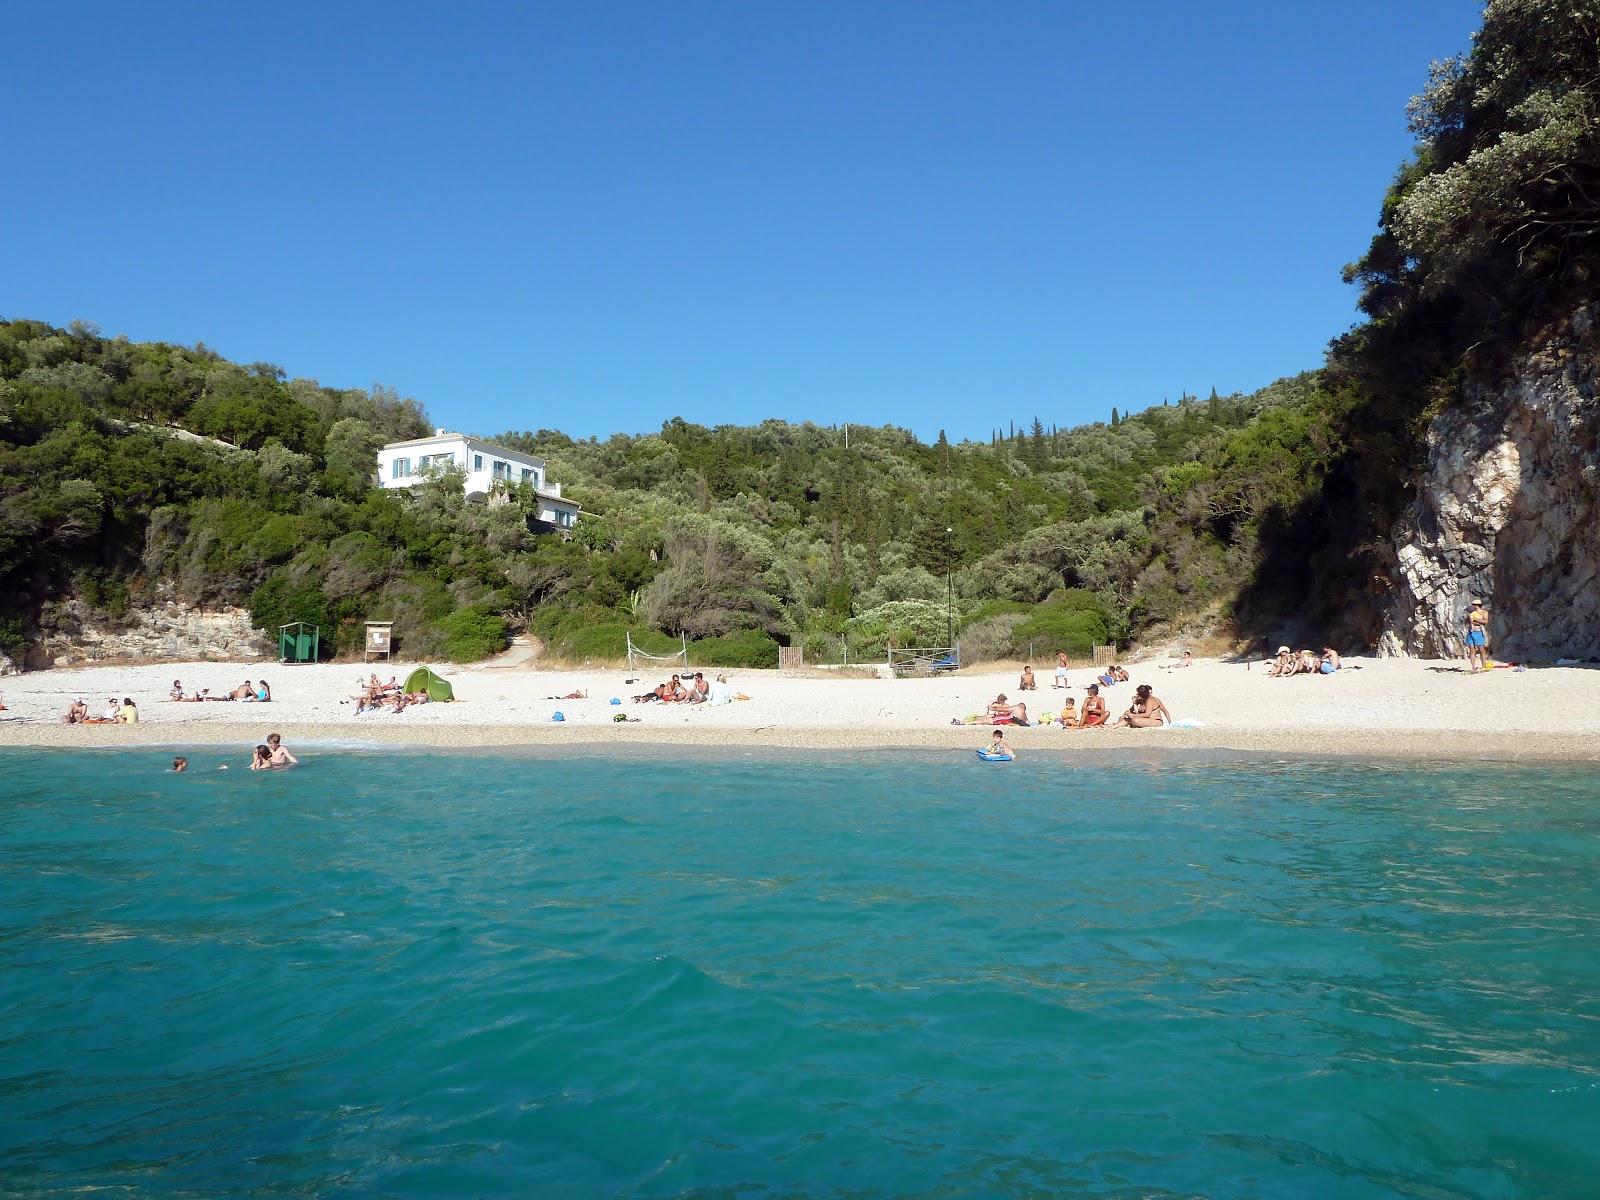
1507,511
75,633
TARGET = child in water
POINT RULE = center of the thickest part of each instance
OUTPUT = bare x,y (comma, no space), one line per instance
997,746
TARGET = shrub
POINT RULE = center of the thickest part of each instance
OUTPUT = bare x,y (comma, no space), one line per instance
746,648
991,638
595,633
1055,627
469,635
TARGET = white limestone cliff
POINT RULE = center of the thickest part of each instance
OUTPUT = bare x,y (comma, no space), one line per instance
1507,511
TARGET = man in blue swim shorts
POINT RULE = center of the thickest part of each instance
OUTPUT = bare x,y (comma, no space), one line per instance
1477,636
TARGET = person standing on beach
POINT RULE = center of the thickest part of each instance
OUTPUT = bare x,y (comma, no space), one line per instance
1477,636
1061,671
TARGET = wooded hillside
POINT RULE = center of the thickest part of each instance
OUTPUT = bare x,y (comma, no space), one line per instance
136,471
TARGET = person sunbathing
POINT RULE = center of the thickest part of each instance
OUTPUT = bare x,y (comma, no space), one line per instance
1068,717
77,712
128,714
1118,675
177,690
570,696
674,692
1146,712
1001,710
701,692
1026,683
1283,664
1331,661
245,691
1094,709
263,692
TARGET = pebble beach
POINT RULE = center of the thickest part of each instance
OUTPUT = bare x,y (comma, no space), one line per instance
1387,708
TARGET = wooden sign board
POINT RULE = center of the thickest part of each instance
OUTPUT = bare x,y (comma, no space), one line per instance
378,641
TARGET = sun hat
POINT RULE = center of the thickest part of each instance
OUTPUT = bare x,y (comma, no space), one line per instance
1284,650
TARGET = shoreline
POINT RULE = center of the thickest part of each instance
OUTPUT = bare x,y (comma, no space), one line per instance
1438,746
1402,710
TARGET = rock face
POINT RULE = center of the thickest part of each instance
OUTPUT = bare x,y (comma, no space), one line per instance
170,631
1507,511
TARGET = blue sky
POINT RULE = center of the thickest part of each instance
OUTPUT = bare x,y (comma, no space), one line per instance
594,217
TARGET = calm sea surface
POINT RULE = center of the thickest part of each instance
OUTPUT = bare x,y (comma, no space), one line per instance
430,975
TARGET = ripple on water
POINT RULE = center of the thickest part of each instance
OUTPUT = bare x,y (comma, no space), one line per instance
432,975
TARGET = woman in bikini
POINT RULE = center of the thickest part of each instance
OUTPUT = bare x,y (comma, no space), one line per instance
1094,709
1146,712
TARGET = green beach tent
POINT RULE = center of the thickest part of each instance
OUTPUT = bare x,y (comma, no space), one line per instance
424,680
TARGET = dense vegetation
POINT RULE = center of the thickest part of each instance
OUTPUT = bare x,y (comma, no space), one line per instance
1489,236
130,471
138,471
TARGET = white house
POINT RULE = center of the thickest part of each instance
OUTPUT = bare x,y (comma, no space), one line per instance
402,464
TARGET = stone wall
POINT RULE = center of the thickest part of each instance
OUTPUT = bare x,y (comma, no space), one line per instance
164,632
1507,511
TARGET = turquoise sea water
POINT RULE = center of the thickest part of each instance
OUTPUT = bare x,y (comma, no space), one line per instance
429,975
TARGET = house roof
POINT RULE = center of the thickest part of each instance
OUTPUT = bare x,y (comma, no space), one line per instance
478,443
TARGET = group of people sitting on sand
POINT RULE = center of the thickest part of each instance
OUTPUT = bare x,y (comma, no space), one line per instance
125,712
1145,712
690,689
373,695
250,692
1288,662
1028,683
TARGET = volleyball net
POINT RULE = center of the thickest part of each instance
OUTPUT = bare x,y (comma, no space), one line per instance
637,657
